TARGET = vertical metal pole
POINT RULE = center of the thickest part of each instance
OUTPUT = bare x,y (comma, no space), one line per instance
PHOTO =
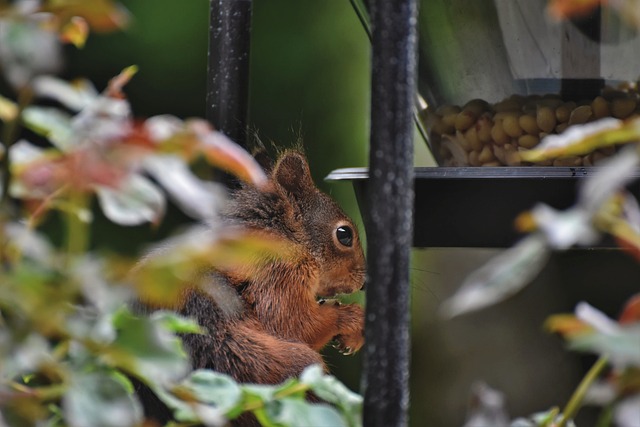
390,220
228,67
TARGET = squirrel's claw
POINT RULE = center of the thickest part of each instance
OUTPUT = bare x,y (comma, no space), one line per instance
343,349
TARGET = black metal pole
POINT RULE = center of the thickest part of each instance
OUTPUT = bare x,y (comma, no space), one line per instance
228,67
390,219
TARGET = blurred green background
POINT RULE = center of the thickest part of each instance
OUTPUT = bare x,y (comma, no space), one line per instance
310,79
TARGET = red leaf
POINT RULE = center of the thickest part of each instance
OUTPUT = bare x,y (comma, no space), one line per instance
566,325
566,9
629,246
101,15
631,310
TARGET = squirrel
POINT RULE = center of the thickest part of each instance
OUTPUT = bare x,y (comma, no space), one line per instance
266,324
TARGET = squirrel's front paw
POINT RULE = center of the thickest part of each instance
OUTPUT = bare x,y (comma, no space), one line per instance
351,336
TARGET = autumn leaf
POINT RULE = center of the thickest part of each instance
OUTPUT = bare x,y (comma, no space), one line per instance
8,109
221,152
101,15
566,325
631,310
567,9
583,139
75,32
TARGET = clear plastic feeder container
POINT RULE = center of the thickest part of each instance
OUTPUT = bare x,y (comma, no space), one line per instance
500,75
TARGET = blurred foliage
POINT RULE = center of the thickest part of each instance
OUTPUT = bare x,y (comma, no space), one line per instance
69,342
604,205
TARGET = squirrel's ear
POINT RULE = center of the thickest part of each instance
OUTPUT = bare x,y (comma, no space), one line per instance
292,173
263,159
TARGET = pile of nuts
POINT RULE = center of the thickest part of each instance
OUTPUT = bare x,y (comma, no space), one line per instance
483,134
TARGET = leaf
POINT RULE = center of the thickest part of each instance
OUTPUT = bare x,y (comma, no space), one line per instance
27,50
487,408
8,109
29,243
163,127
198,199
101,15
221,152
214,389
567,325
76,95
51,123
297,412
627,412
176,323
548,418
621,346
501,277
631,310
583,139
98,400
620,217
614,174
146,349
26,356
135,201
166,272
596,319
75,32
567,9
92,274
328,388
563,229
601,335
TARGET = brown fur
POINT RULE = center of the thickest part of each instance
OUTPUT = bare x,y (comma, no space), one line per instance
287,290
280,326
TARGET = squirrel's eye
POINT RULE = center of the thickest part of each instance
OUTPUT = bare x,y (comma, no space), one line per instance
344,235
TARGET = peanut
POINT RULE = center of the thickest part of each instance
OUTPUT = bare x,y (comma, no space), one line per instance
621,108
580,115
511,126
546,119
529,124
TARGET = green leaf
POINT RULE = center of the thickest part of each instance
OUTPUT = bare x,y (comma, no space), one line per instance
51,123
75,96
501,277
621,346
146,349
98,400
328,388
175,323
259,392
195,197
123,380
213,388
136,201
297,412
612,177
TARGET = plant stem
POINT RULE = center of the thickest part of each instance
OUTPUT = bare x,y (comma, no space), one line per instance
45,393
77,227
575,402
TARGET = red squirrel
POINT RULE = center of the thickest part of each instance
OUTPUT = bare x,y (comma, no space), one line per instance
273,320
